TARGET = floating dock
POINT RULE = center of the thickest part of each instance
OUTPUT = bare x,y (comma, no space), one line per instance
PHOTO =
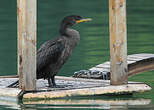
137,63
70,86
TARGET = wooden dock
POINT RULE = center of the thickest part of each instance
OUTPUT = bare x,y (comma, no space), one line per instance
69,87
137,63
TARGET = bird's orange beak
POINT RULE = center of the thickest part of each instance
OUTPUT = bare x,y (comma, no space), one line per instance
83,20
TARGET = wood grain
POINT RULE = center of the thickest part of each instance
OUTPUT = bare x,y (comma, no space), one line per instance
118,42
26,10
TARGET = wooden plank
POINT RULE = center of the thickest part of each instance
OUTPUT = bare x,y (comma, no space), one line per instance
26,10
9,76
102,66
134,58
129,62
135,66
118,42
100,69
144,55
107,63
140,57
120,89
81,79
130,59
91,102
70,87
9,92
137,56
4,82
141,66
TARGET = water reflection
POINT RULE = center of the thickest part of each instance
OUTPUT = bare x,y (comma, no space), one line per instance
79,103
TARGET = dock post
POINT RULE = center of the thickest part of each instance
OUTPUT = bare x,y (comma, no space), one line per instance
118,42
26,19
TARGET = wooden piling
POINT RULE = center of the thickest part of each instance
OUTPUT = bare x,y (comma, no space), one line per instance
26,10
118,42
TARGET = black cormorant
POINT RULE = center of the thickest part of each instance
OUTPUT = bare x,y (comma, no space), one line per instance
54,53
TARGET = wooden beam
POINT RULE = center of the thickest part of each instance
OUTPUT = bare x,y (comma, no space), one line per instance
70,87
112,103
107,90
9,76
118,42
26,10
141,66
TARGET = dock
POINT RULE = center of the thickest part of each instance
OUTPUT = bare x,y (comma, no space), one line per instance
70,87
81,86
137,63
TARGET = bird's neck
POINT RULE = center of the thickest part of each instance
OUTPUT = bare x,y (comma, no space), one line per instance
63,30
71,35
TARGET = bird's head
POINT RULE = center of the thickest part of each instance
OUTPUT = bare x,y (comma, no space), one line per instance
73,19
69,21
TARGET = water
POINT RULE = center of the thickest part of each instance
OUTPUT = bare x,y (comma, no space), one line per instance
92,50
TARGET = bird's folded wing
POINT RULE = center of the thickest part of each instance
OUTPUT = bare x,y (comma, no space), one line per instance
49,53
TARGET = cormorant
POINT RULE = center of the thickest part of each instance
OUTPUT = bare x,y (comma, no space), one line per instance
54,53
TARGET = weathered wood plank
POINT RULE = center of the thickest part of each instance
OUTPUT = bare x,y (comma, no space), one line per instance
134,67
141,66
4,82
9,76
134,58
129,62
27,44
118,42
92,102
103,66
128,88
144,55
138,57
100,69
9,92
70,87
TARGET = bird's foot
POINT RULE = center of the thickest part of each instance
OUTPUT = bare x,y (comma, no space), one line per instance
56,86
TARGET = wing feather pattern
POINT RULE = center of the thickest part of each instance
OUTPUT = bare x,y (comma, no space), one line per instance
49,53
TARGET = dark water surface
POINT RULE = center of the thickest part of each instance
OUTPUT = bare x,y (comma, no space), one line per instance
93,48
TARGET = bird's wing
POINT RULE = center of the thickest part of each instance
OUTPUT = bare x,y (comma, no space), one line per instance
49,53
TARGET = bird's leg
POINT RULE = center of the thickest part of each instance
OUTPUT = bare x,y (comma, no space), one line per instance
53,81
54,84
49,82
